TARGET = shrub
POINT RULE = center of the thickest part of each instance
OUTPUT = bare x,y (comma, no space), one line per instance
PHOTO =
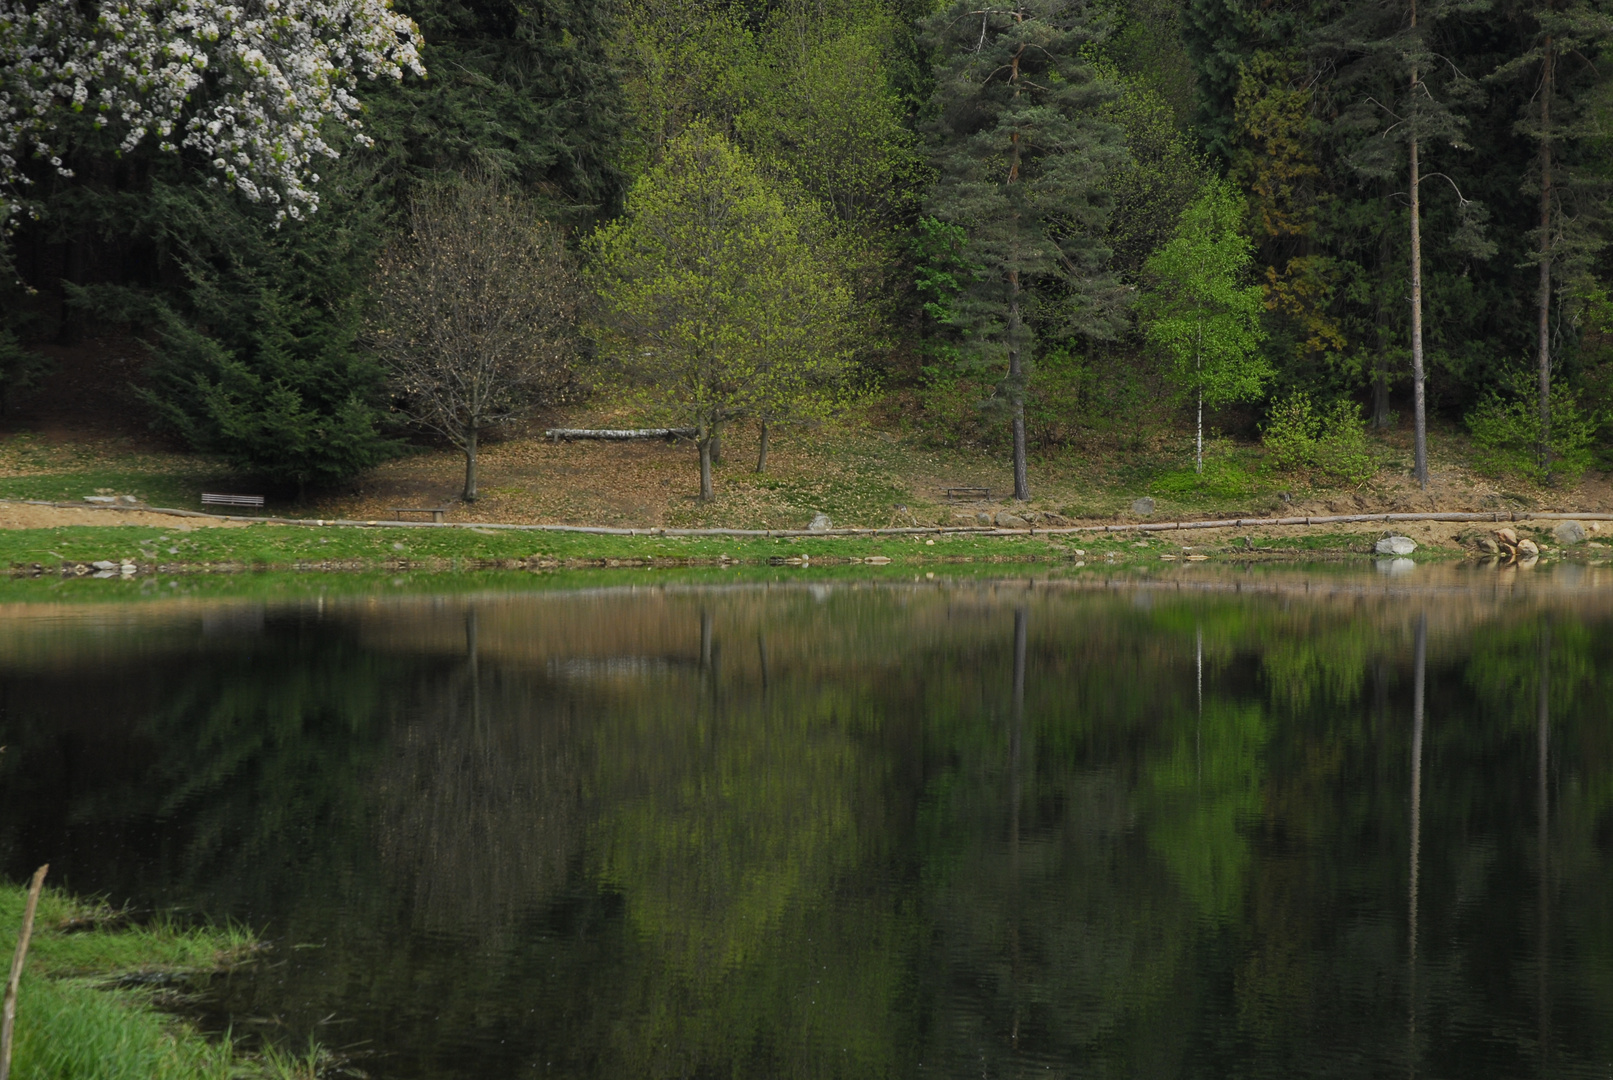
1331,441
1506,432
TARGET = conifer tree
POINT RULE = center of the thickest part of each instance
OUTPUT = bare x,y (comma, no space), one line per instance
1023,151
1383,45
1552,114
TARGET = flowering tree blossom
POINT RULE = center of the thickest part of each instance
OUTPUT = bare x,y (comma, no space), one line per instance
251,84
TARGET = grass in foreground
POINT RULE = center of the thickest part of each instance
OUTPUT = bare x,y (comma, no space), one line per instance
80,1017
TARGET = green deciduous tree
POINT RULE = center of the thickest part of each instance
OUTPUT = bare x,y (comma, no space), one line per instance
1199,310
715,302
1023,152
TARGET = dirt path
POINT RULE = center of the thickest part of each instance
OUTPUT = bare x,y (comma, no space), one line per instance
21,515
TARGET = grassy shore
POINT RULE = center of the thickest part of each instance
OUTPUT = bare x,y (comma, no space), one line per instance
181,549
87,1008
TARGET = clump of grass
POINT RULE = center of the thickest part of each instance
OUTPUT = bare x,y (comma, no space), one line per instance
79,1019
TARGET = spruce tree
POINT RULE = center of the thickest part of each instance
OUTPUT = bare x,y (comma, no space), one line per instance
1022,152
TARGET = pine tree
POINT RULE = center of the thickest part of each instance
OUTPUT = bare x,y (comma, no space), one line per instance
1023,150
1400,100
1554,115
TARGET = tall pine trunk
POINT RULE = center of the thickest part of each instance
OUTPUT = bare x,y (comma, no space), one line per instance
761,453
1380,366
1548,80
470,466
1022,487
1418,400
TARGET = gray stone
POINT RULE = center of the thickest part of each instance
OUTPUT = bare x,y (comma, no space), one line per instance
128,500
1528,548
1005,520
1396,545
983,517
100,500
1569,532
104,564
1142,507
1488,546
820,523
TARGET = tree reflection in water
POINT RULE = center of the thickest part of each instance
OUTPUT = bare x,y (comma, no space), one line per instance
995,829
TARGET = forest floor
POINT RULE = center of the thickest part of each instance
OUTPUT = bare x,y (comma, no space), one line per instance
87,433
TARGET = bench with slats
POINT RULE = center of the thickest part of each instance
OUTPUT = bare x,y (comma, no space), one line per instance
436,512
968,494
213,498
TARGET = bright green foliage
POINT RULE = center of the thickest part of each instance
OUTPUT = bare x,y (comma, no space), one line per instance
715,303
1333,441
1023,153
1506,432
1198,310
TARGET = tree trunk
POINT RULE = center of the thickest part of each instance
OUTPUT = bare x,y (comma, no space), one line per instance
704,442
470,466
761,454
1548,79
1418,401
716,447
1198,453
1022,486
1380,366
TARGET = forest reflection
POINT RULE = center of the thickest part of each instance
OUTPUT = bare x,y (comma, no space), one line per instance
993,828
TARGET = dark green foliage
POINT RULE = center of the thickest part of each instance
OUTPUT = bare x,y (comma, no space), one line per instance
1022,152
20,368
259,360
522,90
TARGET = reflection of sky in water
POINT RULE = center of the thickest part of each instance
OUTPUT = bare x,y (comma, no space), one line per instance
1192,823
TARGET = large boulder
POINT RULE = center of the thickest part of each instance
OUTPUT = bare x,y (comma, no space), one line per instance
1142,507
1569,532
1005,520
1396,545
820,523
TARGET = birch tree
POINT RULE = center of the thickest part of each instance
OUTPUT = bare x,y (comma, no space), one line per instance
1198,311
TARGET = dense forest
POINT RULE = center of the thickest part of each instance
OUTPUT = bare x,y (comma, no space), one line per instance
1042,225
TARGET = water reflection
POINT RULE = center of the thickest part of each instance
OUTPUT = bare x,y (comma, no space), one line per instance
1165,828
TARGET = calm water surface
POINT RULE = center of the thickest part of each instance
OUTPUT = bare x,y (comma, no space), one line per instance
1213,825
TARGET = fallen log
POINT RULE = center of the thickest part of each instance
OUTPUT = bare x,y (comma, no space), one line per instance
621,434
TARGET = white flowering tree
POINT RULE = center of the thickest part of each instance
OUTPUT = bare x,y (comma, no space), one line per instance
256,86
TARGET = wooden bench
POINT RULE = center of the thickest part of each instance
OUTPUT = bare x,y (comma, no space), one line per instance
436,512
210,498
973,494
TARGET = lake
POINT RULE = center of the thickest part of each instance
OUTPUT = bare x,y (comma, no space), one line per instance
1208,822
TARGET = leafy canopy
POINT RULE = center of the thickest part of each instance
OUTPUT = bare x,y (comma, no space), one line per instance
715,303
1198,311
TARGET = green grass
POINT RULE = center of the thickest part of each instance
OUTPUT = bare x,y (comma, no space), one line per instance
290,545
76,1021
180,491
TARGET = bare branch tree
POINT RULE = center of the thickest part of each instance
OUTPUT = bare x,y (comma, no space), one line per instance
475,314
